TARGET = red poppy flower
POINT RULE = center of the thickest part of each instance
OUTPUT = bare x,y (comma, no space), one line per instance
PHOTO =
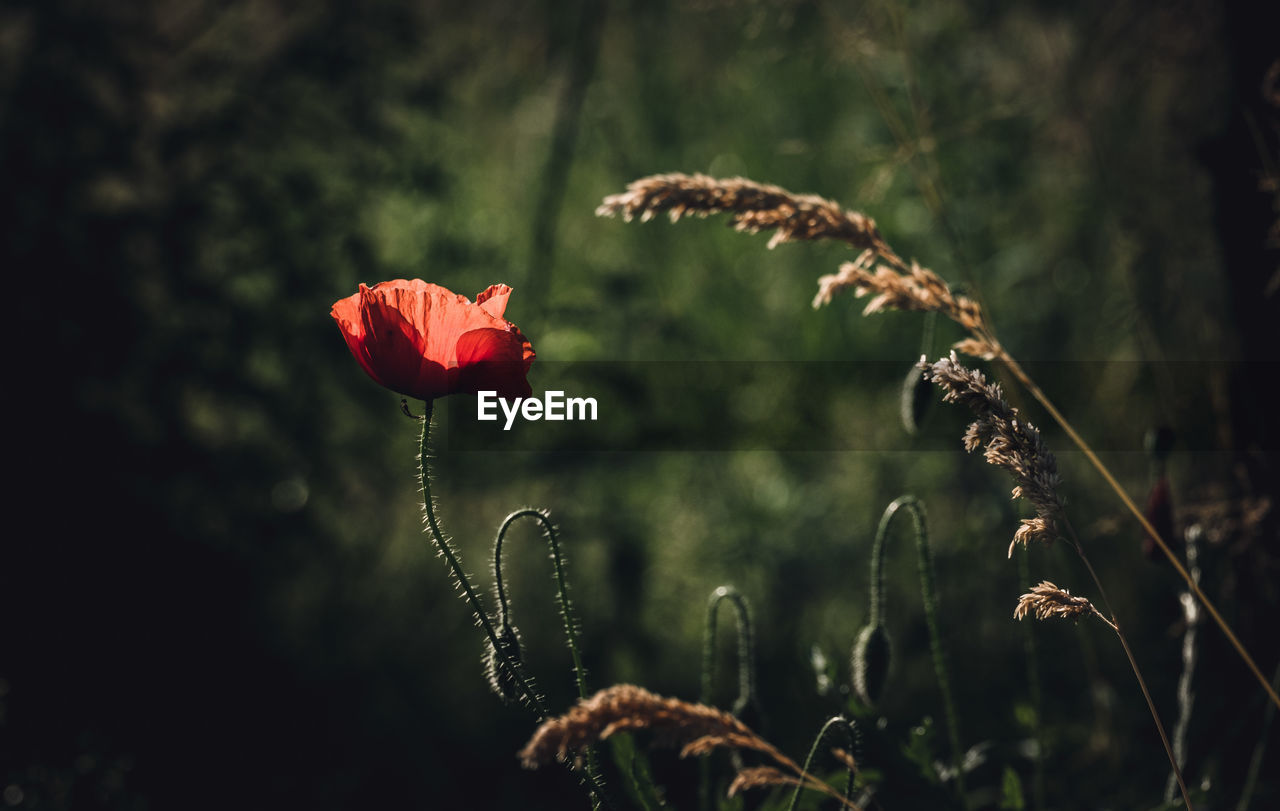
424,341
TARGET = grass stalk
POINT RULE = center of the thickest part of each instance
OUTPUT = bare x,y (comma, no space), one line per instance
1074,540
851,737
1035,391
1037,699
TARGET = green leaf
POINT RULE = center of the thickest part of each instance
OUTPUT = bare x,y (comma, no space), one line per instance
1011,791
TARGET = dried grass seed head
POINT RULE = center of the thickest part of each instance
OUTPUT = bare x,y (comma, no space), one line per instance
919,289
1008,441
754,207
626,707
760,777
1047,600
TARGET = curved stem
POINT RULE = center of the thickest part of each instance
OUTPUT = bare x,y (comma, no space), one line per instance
746,648
515,669
1042,398
566,606
562,587
746,668
850,732
804,778
446,550
928,593
1133,663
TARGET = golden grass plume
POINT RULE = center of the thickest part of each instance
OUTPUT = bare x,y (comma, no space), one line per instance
1009,442
626,707
754,207
760,777
1047,600
907,288
696,728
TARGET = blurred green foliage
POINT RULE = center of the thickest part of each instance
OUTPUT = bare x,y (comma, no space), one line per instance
217,592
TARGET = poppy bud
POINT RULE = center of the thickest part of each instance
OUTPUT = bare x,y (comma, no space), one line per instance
501,681
916,400
1159,512
871,657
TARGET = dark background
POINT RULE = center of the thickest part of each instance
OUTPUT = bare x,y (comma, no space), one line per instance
214,591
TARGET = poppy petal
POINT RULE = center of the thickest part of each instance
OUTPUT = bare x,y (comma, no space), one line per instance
492,360
494,299
425,341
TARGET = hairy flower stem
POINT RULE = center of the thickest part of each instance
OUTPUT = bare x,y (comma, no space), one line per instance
562,586
566,605
446,550
746,669
1074,540
850,734
929,595
1022,377
746,648
516,671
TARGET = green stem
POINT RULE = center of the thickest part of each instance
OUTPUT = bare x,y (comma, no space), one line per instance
1016,370
515,669
562,587
1255,762
566,606
746,647
928,592
746,668
1074,540
1037,700
851,734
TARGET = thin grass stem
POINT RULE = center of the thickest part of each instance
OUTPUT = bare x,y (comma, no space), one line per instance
1255,762
1074,540
1042,398
850,732
1037,699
